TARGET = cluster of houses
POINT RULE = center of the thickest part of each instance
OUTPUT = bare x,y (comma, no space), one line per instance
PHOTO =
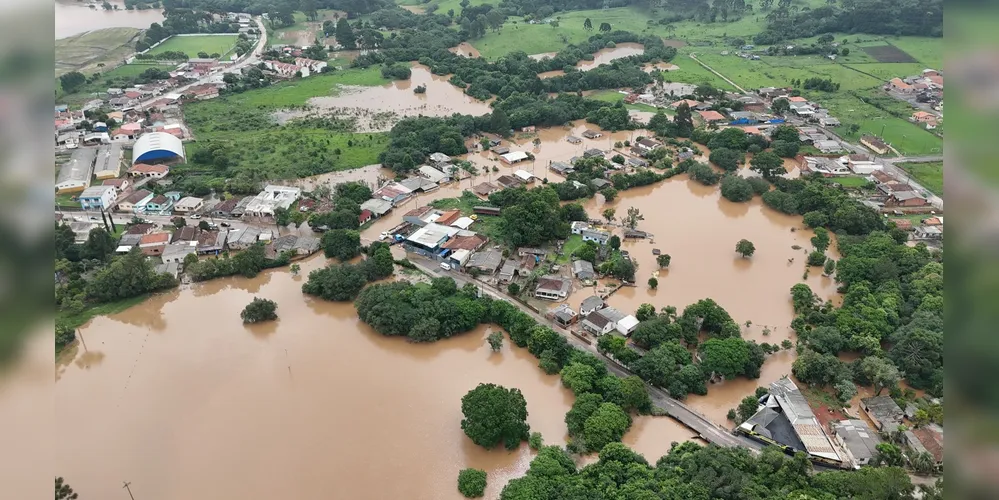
927,87
860,440
301,67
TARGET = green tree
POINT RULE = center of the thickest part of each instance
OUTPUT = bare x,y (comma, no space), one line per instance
342,244
587,24
634,394
336,282
663,260
606,425
726,158
609,213
631,220
582,408
803,298
786,149
605,28
614,242
499,123
653,283
729,357
821,239
65,335
513,289
780,106
645,312
494,414
295,269
345,34
609,194
100,244
747,407
829,268
495,340
845,391
768,164
472,482
63,491
204,226
178,222
889,454
72,81
816,258
684,121
881,372
128,276
578,377
735,188
259,310
745,248
536,441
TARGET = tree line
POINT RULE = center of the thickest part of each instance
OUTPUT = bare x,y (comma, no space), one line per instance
876,17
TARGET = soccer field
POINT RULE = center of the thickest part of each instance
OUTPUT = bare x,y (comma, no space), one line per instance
191,45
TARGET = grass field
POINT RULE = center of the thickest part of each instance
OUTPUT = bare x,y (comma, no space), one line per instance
297,92
571,245
615,96
85,52
191,45
76,320
930,175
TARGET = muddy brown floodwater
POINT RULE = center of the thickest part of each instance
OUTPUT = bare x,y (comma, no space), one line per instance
602,56
440,99
73,18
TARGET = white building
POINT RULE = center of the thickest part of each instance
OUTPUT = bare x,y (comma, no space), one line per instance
431,174
272,198
525,176
189,204
862,164
579,226
513,157
97,198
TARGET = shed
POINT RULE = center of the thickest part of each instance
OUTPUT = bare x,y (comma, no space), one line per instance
883,411
626,325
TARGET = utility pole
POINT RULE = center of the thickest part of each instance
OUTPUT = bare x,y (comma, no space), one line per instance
129,490
82,340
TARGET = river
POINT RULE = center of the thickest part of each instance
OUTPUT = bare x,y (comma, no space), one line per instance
73,18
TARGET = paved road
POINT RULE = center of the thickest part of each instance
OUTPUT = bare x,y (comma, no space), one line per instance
248,59
700,424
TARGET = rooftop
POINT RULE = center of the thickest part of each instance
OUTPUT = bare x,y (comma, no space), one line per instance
596,319
78,168
460,241
489,259
95,191
592,302
138,196
432,235
711,115
858,437
554,284
799,414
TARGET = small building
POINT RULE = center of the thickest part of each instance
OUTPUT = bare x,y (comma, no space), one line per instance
596,236
590,304
428,239
119,185
711,116
552,288
153,244
874,144
513,157
591,134
509,181
177,251
561,168
419,184
394,192
524,176
862,164
97,198
432,174
928,439
226,208
160,203
637,162
485,189
898,85
825,166
135,202
145,170
883,412
486,262
905,199
440,159
563,315
186,233
597,323
377,206
578,226
447,217
500,150
599,184
634,234
626,325
903,224
212,242
829,121
928,233
593,152
583,270
189,204
241,240
571,139
828,146
859,440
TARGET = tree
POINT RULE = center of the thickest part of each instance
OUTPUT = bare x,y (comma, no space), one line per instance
259,310
336,282
663,260
816,258
653,283
605,28
845,391
513,289
606,425
345,34
99,245
745,248
495,19
128,276
295,269
495,414
609,194
536,441
845,51
829,268
786,149
204,226
578,377
342,244
72,81
645,312
888,454
747,407
499,123
634,394
631,220
588,25
735,188
803,298
726,159
472,482
63,491
609,213
821,239
768,164
582,408
614,242
495,340
178,222
881,372
684,121
729,357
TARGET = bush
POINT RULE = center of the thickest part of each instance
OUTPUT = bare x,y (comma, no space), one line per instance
759,185
472,482
535,441
513,289
259,310
816,258
735,188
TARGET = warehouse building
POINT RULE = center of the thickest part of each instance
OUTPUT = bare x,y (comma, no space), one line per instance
74,175
157,147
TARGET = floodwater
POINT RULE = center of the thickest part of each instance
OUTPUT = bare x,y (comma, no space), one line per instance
465,49
375,106
73,18
178,397
660,66
538,57
602,56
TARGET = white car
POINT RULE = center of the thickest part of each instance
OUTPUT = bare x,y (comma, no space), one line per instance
195,216
445,266
383,236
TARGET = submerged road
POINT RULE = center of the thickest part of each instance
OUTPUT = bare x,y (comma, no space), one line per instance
706,429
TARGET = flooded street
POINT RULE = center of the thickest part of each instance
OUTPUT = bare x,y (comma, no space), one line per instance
398,99
73,18
178,397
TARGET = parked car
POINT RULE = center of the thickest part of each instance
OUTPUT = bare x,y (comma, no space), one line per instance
196,216
445,266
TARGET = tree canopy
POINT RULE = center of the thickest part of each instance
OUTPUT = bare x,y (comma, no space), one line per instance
493,415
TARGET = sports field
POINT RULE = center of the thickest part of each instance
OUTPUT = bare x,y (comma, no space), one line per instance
192,45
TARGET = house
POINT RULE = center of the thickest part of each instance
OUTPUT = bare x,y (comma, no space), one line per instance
421,216
862,164
689,102
881,177
440,159
929,119
898,85
159,203
593,152
470,242
428,239
596,236
928,233
928,439
828,167
241,240
561,168
119,185
154,243
364,216
135,202
829,121
571,139
905,199
874,144
828,146
524,176
189,204
226,208
552,288
933,221
883,412
212,242
903,224
858,439
485,189
513,157
393,192
599,184
583,270
97,198
432,174
176,252
626,325
418,184
711,116
563,315
500,150
378,207
186,233
591,134
578,226
509,181
153,171
506,273
602,321
637,162
486,262
646,146
447,217
590,304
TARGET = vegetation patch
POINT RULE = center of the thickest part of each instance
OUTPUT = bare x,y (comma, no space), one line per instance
929,175
889,54
92,51
193,45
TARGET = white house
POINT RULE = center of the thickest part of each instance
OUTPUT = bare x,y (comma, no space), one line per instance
431,174
552,288
189,204
862,164
597,323
525,176
579,226
97,198
599,237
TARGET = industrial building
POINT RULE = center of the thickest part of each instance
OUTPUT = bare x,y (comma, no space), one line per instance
785,420
109,159
74,175
157,147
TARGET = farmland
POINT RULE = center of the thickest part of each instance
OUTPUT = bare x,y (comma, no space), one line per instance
90,52
192,45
